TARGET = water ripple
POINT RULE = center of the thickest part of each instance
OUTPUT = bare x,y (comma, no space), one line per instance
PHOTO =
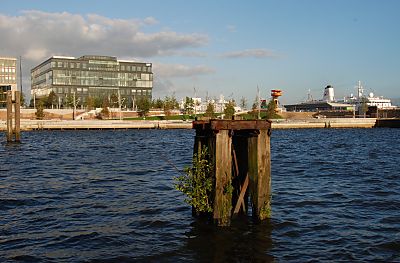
108,196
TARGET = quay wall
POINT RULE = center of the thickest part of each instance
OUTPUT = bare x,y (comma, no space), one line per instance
324,123
27,125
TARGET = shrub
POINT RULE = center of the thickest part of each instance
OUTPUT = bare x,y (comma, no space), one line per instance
197,183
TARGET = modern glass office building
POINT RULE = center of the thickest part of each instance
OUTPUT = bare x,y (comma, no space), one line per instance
8,77
92,76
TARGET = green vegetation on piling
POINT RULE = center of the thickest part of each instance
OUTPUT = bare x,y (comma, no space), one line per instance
197,183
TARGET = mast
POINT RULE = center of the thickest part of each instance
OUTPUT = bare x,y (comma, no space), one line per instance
360,90
309,96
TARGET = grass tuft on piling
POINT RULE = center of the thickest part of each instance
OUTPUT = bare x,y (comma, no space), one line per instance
197,182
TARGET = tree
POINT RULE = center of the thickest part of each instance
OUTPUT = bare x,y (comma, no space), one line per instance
229,110
98,102
256,108
143,105
169,104
188,106
210,111
256,103
69,100
39,110
114,100
158,103
270,112
243,103
22,99
105,112
51,100
90,103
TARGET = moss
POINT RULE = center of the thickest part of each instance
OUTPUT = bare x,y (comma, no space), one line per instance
265,211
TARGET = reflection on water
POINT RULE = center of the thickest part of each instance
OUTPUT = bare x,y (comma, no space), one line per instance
108,196
243,241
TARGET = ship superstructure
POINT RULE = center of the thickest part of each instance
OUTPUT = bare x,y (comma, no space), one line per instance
370,99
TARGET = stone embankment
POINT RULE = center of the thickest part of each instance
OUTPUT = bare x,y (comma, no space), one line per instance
27,125
324,123
143,124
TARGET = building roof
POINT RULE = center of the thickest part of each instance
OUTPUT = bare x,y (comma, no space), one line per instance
9,58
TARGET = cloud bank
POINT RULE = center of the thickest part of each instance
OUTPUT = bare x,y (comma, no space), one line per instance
179,70
250,53
37,35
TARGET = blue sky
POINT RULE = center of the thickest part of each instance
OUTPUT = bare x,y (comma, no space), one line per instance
221,47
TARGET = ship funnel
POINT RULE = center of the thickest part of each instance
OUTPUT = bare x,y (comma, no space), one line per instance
329,94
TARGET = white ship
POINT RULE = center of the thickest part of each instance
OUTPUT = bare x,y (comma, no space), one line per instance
370,100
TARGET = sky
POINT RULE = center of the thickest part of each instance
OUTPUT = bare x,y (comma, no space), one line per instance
208,48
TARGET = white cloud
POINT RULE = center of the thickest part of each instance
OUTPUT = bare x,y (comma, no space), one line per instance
36,54
251,53
231,28
179,70
150,21
75,35
166,78
37,35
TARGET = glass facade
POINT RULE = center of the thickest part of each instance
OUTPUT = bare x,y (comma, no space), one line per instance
8,72
8,77
92,76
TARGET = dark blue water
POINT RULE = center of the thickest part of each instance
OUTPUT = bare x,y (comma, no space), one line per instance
107,196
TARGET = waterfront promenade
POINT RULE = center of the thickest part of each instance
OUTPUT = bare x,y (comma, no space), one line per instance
27,125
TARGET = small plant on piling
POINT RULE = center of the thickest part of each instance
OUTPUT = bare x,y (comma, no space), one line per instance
197,182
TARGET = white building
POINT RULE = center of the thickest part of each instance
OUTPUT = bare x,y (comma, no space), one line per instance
8,73
201,106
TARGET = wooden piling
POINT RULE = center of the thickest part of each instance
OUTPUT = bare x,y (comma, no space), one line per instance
240,151
223,178
17,107
9,116
260,174
13,102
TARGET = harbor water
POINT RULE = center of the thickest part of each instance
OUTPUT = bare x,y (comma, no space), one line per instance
108,196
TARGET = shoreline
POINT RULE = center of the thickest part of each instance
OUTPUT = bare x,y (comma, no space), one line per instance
30,125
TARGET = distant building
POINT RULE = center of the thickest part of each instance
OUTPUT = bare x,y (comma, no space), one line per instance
92,76
200,106
327,103
8,77
313,106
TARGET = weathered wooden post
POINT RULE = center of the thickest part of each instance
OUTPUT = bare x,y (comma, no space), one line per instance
240,152
17,108
9,116
11,130
260,173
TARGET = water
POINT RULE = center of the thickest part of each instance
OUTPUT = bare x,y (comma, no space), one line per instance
107,196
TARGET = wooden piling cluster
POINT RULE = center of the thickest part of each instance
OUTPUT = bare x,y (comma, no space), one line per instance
240,152
13,100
